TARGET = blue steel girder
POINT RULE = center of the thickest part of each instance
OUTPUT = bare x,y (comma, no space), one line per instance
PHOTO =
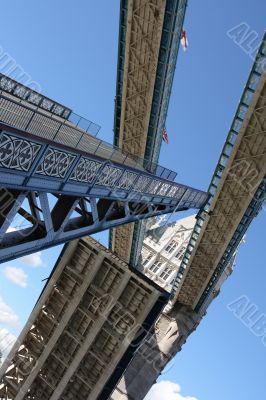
91,193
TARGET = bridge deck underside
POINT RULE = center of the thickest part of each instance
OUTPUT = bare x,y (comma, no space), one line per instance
143,34
83,323
240,180
148,46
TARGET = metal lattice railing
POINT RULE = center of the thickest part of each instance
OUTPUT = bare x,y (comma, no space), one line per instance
24,116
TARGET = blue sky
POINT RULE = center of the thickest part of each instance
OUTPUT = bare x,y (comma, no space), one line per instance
70,49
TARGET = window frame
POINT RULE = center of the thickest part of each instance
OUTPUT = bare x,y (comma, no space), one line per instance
171,247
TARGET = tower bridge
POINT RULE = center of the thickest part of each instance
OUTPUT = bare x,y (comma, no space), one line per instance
102,362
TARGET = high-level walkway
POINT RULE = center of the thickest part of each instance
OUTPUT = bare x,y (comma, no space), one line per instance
149,37
237,193
71,347
66,183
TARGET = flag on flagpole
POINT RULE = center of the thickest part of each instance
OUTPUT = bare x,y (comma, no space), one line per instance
165,136
183,39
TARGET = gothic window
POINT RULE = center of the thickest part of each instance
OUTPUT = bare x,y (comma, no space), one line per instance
171,246
147,259
144,253
180,253
165,273
155,266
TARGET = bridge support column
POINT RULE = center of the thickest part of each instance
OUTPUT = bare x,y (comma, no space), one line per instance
166,339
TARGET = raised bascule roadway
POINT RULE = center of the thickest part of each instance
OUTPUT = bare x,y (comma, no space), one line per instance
102,358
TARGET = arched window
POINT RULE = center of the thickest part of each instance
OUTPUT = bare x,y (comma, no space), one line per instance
165,273
179,255
155,266
171,246
172,282
147,259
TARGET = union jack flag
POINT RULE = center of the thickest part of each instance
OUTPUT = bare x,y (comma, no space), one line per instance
165,136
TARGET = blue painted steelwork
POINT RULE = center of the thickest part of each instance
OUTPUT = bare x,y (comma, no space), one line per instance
22,115
29,163
256,203
105,194
35,99
55,225
172,26
105,186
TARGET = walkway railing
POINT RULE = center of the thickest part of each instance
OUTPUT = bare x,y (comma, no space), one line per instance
75,132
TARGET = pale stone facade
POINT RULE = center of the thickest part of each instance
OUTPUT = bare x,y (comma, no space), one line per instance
166,339
173,326
163,249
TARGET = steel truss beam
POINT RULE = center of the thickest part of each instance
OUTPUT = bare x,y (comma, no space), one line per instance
237,193
148,46
69,194
57,224
142,49
252,211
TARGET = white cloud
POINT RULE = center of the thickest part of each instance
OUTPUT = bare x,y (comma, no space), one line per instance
34,260
7,340
7,315
16,275
166,390
11,229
